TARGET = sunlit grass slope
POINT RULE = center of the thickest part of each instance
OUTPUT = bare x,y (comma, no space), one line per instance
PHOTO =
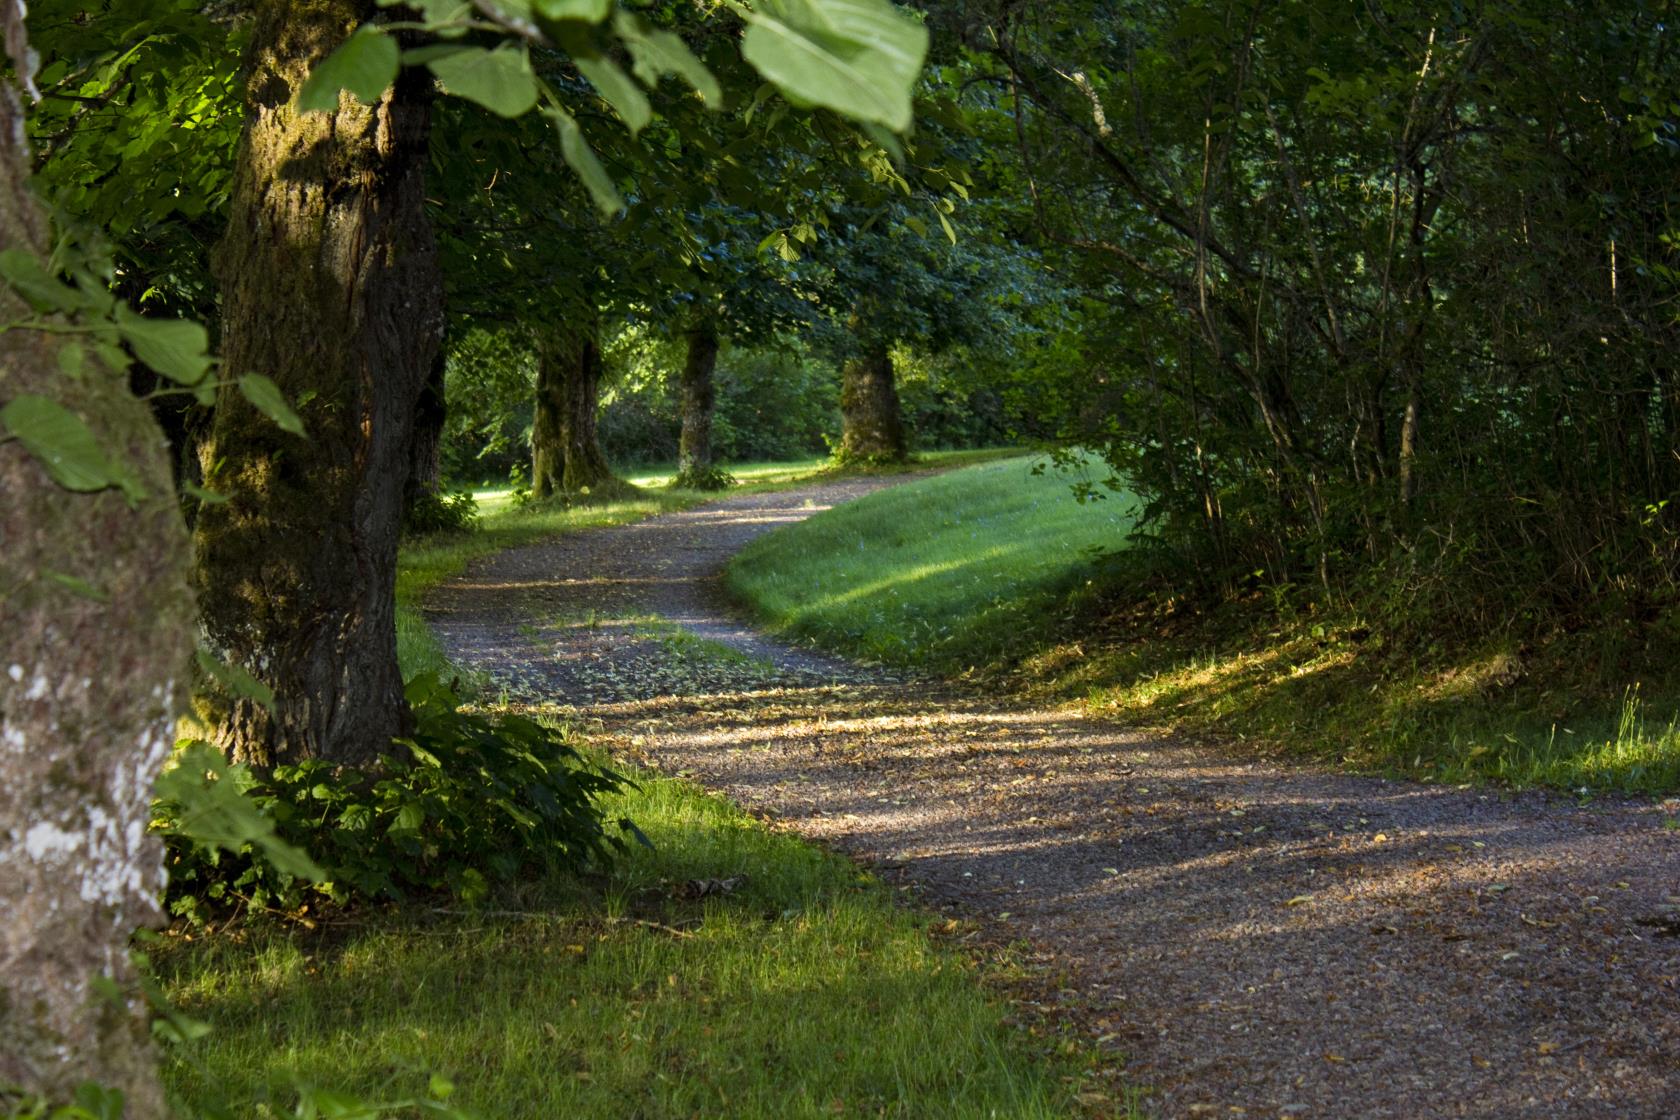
805,991
962,569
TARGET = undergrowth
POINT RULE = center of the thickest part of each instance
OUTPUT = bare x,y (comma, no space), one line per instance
991,570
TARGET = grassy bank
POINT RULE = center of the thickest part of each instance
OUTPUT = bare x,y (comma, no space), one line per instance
951,572
991,568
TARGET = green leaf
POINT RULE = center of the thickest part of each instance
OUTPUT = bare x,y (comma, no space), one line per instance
66,448
216,812
208,497
860,58
78,586
581,158
619,91
588,11
409,819
41,289
271,402
501,80
656,53
235,679
179,349
365,64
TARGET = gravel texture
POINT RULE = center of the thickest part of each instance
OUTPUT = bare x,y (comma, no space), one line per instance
1249,939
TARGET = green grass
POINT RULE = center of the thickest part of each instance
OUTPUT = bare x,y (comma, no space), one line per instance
950,572
808,991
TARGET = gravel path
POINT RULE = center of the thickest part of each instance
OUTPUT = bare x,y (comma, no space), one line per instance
1255,940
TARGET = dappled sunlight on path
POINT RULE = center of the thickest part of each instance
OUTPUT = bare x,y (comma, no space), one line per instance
1252,939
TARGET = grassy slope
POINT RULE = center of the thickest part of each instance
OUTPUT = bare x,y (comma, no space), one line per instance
984,567
954,571
807,992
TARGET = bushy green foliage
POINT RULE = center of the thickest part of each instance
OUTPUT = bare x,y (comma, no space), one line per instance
441,513
464,802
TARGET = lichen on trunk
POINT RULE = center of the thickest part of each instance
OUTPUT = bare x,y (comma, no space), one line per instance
872,429
566,455
330,286
95,635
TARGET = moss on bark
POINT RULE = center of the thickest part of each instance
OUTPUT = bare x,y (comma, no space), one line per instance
872,429
330,286
566,455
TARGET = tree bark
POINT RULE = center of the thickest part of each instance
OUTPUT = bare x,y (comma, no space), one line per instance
871,425
425,460
696,467
330,286
90,684
566,456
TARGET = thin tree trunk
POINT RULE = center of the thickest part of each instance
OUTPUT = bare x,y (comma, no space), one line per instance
90,685
566,455
330,286
871,424
696,469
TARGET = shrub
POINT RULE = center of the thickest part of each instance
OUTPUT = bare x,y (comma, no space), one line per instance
440,513
463,803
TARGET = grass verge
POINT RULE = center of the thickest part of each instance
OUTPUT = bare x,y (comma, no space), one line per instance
992,568
731,971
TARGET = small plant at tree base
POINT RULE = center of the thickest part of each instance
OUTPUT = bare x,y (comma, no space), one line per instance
519,483
704,478
463,803
441,513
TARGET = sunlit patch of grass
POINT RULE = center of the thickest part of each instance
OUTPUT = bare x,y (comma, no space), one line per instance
958,570
1474,716
803,991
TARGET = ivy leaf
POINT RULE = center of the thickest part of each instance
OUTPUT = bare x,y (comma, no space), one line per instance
501,80
41,289
65,447
858,57
216,812
582,159
657,53
365,64
179,349
271,402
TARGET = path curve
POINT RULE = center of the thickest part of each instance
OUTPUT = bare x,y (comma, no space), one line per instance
1256,940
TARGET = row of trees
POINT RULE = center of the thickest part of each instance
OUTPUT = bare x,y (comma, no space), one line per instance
330,238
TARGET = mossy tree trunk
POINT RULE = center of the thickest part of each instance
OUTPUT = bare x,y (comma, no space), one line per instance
90,686
330,286
566,456
871,425
696,467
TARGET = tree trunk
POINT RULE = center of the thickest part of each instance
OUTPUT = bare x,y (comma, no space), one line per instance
330,286
695,466
871,425
425,460
95,636
566,456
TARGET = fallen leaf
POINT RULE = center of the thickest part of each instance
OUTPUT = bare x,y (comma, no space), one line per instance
1547,1048
1299,900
